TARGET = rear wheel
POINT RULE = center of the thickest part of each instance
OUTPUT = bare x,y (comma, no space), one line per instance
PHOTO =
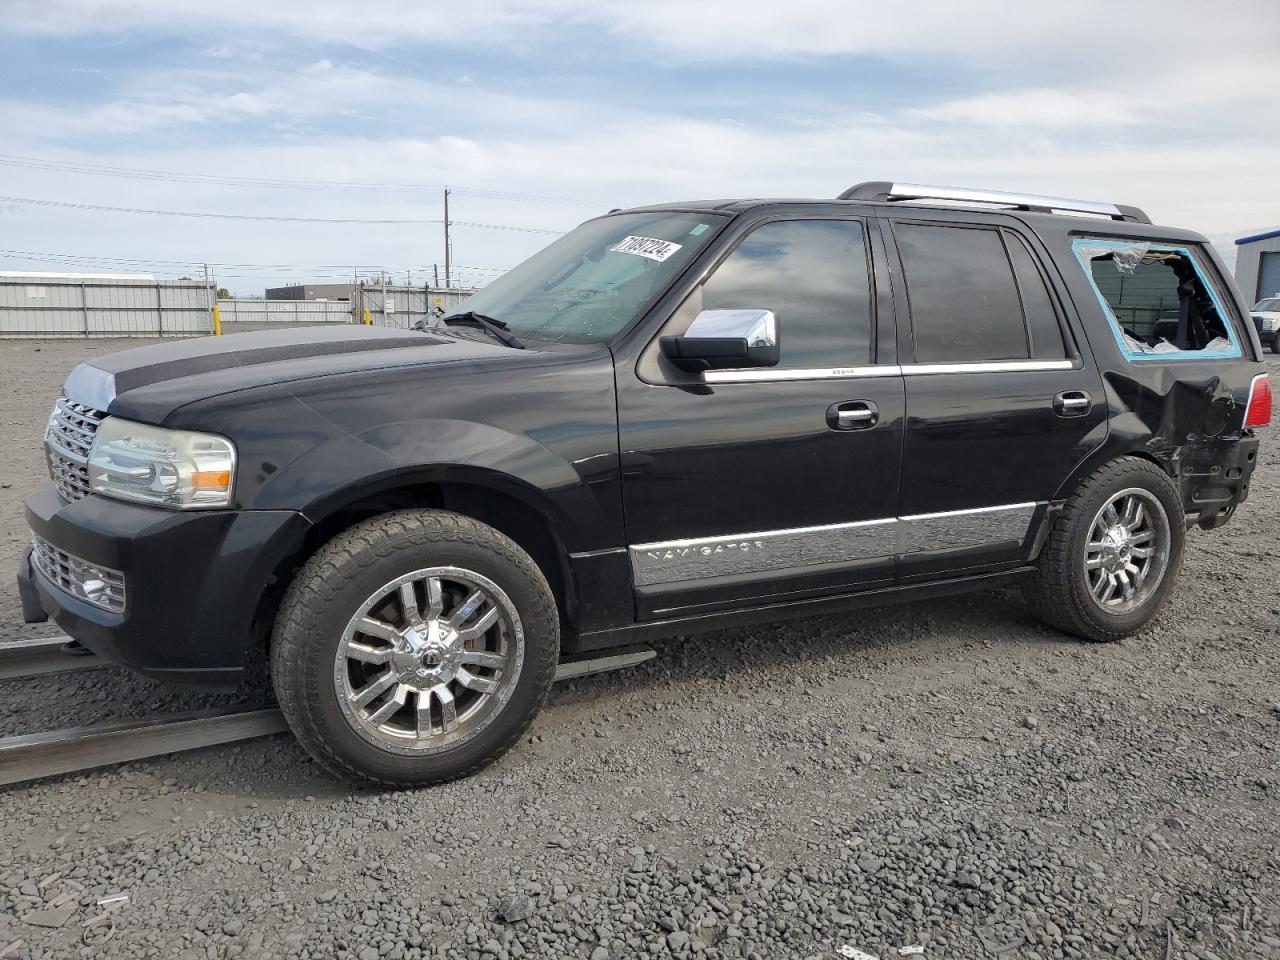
414,648
1275,343
1114,553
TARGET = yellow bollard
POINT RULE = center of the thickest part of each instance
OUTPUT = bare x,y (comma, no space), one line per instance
217,321
368,317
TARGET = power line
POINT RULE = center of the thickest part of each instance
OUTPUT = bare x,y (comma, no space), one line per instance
136,173
400,265
303,273
100,208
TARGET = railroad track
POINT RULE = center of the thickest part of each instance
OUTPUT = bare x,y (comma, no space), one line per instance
37,755
31,658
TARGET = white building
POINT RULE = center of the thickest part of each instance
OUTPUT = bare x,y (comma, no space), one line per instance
1258,265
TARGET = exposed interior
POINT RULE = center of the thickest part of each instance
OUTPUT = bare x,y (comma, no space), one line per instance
1159,300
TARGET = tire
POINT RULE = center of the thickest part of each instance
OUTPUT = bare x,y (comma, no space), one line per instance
482,667
1070,588
1275,343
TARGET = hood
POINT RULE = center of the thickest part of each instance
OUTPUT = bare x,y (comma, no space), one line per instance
149,382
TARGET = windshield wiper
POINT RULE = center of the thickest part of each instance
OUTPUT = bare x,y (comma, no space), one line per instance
491,325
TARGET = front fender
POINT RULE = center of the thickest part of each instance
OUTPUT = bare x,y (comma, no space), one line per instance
294,458
405,454
546,434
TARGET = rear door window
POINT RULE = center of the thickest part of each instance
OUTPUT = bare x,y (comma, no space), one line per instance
965,302
1158,300
1043,322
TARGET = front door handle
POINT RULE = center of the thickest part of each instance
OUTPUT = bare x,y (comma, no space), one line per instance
1072,403
853,415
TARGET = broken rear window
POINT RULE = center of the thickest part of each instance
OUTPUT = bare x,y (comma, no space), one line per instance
1159,302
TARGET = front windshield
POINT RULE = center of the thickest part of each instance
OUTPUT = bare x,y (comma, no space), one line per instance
593,281
1268,306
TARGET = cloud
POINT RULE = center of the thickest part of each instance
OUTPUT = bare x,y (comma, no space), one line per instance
1039,108
1103,101
978,31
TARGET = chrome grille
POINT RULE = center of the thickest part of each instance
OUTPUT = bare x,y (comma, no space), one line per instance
100,586
67,439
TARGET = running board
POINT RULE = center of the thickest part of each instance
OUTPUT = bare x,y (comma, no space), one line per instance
616,659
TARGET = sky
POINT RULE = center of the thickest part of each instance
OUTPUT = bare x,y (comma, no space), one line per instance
539,114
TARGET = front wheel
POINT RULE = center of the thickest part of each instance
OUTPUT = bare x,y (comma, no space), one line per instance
1113,555
1275,343
414,648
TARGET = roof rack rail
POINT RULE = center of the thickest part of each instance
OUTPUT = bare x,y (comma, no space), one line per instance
884,190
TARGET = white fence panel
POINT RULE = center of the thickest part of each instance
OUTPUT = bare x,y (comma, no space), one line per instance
404,306
284,311
55,306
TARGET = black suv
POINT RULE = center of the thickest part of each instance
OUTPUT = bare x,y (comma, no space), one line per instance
673,419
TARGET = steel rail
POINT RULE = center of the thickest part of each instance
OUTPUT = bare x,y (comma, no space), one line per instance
32,658
32,756
38,755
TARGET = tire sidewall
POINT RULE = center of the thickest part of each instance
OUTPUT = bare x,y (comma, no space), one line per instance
1150,478
313,671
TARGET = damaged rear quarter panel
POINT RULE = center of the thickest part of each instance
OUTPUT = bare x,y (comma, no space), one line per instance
1185,414
1190,422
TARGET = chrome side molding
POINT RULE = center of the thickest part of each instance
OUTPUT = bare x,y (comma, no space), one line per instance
672,562
960,529
677,561
829,373
888,370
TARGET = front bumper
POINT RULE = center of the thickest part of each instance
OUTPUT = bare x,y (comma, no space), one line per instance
193,581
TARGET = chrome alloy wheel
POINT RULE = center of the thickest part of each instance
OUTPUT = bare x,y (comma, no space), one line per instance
429,660
1127,550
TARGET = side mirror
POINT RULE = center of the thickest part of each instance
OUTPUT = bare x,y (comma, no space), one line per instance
725,340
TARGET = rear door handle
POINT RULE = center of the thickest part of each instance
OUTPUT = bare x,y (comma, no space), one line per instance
1072,403
853,415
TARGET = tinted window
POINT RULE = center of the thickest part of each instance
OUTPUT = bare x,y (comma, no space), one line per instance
1042,316
813,275
964,305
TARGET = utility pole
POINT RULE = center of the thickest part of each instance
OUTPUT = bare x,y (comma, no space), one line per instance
435,270
448,254
209,302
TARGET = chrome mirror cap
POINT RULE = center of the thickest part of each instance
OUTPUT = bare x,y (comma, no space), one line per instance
725,340
758,327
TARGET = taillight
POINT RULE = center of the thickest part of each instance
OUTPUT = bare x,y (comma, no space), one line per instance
1258,412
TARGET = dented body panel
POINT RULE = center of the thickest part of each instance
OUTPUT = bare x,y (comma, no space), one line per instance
1185,414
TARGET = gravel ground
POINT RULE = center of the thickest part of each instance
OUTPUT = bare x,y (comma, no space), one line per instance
951,775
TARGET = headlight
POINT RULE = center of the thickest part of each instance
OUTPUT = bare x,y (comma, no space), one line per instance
170,468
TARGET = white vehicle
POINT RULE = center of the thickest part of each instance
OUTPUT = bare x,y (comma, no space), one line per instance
1266,317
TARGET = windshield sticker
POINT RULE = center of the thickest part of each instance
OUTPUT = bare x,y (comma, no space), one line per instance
646,247
699,230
